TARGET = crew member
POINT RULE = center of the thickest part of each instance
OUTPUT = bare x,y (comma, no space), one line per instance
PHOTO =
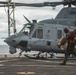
70,38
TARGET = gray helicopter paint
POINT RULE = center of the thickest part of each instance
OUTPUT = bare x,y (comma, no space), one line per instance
67,13
41,44
67,16
45,44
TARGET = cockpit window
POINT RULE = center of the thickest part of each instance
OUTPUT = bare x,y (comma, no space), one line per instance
27,28
38,33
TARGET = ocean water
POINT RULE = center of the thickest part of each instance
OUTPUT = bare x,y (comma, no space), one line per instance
4,49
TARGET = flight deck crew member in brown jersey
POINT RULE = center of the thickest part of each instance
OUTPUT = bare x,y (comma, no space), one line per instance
70,39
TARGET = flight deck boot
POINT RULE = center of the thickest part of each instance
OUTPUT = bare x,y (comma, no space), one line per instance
63,63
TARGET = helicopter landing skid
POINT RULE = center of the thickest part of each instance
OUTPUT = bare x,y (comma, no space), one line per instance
33,57
37,56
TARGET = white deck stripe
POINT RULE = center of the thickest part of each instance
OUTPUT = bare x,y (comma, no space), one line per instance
8,60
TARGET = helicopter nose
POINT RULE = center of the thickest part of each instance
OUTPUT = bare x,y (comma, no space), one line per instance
10,41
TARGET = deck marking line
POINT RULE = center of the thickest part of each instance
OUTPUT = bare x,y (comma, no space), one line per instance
21,73
8,60
1,65
26,73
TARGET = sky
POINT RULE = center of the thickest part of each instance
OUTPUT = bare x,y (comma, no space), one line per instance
32,13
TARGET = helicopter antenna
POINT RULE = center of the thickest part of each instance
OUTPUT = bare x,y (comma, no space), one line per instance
27,19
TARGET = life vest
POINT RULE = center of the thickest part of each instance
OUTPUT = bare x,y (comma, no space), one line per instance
71,37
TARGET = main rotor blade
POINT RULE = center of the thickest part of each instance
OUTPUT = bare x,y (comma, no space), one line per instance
53,4
5,4
32,4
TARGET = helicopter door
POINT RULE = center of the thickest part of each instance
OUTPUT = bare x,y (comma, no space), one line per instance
38,33
59,33
37,39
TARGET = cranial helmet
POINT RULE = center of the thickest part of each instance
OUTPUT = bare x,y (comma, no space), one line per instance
66,30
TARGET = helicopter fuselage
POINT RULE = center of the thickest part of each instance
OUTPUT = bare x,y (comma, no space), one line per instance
42,37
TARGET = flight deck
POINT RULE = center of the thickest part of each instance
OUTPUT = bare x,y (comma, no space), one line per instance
26,66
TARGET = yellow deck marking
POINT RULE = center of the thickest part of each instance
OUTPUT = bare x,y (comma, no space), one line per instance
26,73
21,73
30,72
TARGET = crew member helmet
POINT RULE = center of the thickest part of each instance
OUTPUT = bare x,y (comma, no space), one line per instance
66,30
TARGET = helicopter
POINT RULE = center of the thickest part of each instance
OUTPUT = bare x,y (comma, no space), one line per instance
43,35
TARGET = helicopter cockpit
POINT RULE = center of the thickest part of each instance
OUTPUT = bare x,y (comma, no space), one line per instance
27,28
